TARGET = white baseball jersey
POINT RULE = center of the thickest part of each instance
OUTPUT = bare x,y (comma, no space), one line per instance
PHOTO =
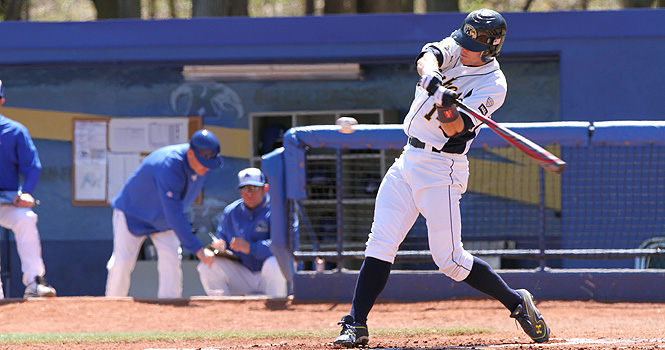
482,88
431,175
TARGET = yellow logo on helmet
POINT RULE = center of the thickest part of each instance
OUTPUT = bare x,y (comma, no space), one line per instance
470,31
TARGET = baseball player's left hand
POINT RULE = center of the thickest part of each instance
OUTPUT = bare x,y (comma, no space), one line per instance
444,97
431,80
239,245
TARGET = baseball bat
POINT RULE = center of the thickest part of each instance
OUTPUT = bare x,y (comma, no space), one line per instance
540,155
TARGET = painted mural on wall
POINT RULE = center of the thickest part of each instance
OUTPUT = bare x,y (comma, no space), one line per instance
206,99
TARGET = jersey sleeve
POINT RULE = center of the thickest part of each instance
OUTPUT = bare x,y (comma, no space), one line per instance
261,249
171,191
448,52
29,165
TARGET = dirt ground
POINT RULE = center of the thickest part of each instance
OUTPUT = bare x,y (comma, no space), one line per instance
574,324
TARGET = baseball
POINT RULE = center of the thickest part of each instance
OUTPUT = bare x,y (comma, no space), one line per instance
346,124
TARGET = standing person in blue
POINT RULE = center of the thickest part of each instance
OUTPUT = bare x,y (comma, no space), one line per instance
152,203
19,158
245,229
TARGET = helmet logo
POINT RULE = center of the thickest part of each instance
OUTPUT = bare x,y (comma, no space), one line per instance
470,31
496,41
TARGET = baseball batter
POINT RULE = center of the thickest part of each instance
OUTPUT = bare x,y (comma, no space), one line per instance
432,173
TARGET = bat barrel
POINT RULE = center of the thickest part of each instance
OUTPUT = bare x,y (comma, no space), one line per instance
541,156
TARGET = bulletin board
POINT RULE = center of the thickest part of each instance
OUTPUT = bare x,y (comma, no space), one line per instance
106,151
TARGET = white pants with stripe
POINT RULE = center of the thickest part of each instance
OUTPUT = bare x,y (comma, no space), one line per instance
228,278
428,183
126,248
23,222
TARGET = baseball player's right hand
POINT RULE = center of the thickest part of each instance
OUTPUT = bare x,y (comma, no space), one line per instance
430,80
218,244
444,97
24,200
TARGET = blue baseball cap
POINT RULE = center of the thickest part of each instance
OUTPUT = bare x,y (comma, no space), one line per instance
251,177
206,149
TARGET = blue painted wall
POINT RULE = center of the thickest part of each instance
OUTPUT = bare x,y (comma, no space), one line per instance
605,55
127,68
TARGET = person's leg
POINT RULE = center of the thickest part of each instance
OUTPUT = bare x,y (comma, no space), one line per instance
123,260
372,279
169,264
440,207
483,278
23,222
394,215
213,279
444,225
273,283
227,278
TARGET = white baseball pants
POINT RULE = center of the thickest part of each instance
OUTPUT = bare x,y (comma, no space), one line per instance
126,248
227,278
23,222
429,183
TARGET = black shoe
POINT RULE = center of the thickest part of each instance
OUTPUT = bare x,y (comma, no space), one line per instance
530,319
39,288
353,334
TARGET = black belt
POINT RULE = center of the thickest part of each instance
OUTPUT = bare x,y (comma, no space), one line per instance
413,141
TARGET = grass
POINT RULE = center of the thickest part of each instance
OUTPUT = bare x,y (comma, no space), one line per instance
128,337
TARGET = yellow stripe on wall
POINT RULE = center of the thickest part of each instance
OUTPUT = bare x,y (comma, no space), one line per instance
45,124
56,125
518,180
233,142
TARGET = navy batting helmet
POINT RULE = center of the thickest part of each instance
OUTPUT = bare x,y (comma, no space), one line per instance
206,149
483,31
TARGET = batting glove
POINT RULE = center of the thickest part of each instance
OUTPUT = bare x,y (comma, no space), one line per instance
444,97
431,80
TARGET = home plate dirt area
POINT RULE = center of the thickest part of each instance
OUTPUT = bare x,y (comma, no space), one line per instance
574,324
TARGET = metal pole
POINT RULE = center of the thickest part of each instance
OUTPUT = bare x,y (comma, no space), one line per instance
542,218
338,196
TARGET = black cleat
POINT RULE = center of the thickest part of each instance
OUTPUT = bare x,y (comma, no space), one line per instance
39,288
353,334
530,319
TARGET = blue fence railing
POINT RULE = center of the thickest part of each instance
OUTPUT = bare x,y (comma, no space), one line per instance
609,201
